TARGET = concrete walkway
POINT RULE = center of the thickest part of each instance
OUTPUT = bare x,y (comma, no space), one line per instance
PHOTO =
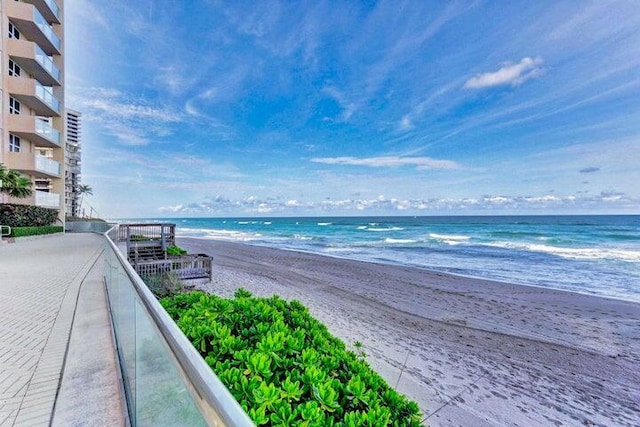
57,361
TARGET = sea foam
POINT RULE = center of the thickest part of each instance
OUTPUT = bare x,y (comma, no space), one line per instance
573,253
390,240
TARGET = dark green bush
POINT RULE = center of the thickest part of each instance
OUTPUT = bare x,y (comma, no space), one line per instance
35,231
283,366
26,216
139,238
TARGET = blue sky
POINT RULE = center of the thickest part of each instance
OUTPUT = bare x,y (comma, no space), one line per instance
209,108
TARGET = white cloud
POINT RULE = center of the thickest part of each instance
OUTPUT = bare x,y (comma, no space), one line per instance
176,78
133,121
405,123
348,107
256,205
129,110
510,74
421,163
175,209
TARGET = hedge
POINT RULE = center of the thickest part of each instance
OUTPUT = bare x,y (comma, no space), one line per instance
26,216
35,231
283,366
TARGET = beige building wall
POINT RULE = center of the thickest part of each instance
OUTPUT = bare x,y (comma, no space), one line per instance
32,120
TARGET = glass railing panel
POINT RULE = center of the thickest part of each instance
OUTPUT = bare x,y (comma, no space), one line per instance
158,382
46,29
54,7
47,199
47,63
47,165
47,97
45,129
159,390
126,334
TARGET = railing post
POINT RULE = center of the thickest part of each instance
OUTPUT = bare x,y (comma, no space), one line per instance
5,227
128,234
163,240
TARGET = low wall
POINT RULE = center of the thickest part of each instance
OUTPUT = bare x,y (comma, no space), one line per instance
87,226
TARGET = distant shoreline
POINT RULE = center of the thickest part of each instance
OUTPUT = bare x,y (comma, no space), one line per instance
476,350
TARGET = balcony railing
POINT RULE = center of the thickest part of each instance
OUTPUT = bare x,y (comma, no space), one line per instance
55,9
34,129
32,25
166,381
47,97
47,131
47,63
46,29
33,59
49,200
47,165
49,9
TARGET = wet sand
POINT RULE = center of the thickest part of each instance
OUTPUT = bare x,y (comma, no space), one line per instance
470,352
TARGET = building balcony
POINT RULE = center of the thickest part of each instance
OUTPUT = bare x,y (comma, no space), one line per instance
47,200
35,165
34,129
48,8
33,26
47,166
34,95
32,59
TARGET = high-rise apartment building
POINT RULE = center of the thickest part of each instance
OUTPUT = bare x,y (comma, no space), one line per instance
32,97
72,170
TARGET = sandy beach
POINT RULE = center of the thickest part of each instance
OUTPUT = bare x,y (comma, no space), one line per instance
470,352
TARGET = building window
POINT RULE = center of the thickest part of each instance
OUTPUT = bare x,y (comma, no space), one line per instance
14,69
13,32
14,144
14,106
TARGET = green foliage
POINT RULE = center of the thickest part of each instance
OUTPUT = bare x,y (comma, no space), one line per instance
35,231
242,293
163,284
82,190
14,183
175,251
26,216
283,366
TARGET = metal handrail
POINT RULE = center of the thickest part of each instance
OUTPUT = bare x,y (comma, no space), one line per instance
3,233
216,403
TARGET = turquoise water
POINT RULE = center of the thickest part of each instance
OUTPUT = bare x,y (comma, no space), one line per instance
589,254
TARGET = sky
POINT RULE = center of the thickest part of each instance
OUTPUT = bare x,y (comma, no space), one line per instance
243,108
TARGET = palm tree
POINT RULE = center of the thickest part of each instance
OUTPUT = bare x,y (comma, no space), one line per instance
82,190
14,184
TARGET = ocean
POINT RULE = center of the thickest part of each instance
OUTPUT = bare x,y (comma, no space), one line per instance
597,255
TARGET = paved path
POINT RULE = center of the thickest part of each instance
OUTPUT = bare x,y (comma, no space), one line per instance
40,283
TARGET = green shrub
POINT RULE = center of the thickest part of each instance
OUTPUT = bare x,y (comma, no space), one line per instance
283,366
163,284
175,250
35,231
26,216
